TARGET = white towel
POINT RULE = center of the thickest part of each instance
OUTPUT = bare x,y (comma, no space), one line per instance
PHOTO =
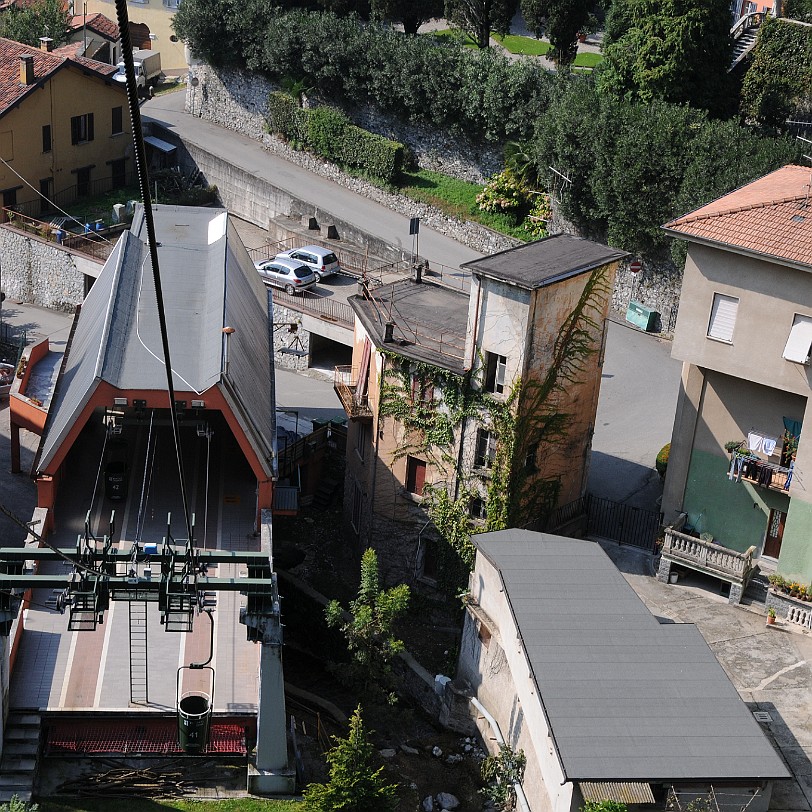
754,441
768,445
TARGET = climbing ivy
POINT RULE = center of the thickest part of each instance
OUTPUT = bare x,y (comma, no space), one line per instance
532,416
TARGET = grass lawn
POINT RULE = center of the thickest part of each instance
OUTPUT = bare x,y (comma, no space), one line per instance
456,198
587,59
171,85
456,35
146,805
529,46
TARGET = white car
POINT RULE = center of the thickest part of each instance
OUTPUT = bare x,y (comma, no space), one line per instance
322,261
288,274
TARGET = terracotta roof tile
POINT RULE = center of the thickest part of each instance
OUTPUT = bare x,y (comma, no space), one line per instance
771,216
45,65
102,25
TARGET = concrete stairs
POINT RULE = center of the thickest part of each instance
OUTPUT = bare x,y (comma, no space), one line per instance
18,765
743,45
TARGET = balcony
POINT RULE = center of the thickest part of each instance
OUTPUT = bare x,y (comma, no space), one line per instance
356,404
745,468
706,556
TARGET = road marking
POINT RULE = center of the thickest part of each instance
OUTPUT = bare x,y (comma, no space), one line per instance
103,658
68,668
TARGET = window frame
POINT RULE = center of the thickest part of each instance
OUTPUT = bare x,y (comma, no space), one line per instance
800,334
46,128
414,465
357,507
361,439
485,450
117,113
495,373
80,125
721,334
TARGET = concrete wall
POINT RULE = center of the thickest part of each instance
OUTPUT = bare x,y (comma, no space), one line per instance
69,92
42,272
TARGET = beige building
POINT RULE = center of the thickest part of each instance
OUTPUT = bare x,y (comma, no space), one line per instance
739,454
473,406
156,16
64,129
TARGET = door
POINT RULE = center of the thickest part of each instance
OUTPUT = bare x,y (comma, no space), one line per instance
83,182
775,532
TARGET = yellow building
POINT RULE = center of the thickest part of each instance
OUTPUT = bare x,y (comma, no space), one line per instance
157,16
64,128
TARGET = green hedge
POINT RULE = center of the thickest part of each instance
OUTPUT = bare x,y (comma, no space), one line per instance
329,133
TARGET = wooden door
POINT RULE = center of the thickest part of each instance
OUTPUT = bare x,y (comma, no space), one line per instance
775,532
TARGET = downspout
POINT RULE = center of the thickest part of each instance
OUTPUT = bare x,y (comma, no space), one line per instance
521,798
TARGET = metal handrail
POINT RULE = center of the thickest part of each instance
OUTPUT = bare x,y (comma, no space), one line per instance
752,20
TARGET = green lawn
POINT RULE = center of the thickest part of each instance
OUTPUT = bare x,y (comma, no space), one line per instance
529,46
587,59
145,805
456,198
456,35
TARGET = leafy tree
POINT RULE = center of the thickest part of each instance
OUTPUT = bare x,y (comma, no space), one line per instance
410,13
674,50
798,10
478,18
604,806
354,785
369,634
562,20
45,18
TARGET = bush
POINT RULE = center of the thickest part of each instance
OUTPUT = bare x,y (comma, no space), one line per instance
502,192
661,463
329,133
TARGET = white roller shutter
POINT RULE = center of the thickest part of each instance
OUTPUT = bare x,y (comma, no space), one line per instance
799,342
723,317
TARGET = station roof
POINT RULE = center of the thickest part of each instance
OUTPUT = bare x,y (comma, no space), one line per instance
544,262
627,698
208,282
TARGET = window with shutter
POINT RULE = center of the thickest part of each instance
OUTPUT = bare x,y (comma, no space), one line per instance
495,373
799,343
415,475
118,121
723,317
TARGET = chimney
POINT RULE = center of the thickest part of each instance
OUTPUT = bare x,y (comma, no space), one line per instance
46,44
27,69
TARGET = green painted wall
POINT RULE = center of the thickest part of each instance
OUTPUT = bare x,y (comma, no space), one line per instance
795,560
736,513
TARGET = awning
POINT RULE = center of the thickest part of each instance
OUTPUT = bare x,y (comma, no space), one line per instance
163,146
625,793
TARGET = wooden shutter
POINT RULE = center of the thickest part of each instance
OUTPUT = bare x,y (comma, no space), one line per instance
90,126
74,130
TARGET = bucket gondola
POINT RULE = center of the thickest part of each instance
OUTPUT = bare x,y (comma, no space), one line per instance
195,707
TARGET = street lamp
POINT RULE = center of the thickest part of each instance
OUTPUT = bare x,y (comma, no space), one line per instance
227,332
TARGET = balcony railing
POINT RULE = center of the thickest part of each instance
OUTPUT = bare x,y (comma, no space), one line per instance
707,557
345,382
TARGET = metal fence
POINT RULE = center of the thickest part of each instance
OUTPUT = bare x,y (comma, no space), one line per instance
13,341
326,308
616,521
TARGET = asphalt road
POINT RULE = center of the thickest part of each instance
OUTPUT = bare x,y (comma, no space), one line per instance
250,156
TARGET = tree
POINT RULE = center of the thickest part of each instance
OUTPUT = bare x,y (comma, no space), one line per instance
674,50
799,10
478,18
45,18
369,634
410,13
354,785
561,20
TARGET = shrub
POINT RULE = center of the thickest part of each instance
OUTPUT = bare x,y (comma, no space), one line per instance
538,217
661,463
502,192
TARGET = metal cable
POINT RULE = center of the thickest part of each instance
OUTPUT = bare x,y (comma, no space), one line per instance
143,182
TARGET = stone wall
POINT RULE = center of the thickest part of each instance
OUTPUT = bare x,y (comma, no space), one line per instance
300,358
40,272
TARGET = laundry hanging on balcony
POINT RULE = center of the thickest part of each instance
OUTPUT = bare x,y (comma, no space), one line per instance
759,441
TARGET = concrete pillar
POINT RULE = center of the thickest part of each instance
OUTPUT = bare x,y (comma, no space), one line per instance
664,570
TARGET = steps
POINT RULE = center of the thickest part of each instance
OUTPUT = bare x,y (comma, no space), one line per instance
757,588
18,765
743,45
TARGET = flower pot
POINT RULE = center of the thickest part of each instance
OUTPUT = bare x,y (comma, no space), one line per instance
581,37
770,620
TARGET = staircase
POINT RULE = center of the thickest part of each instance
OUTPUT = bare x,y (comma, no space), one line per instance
745,34
18,765
139,680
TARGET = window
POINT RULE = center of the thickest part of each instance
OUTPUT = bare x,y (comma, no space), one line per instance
495,372
81,129
172,3
799,342
10,197
361,438
485,449
415,475
430,562
530,459
723,317
422,389
477,509
357,502
118,169
46,138
118,121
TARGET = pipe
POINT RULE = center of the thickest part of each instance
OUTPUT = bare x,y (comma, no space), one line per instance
520,796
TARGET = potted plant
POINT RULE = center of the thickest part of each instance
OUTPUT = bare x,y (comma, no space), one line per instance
732,446
776,581
770,616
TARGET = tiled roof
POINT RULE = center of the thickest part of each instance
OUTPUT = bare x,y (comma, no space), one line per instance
95,22
770,216
45,65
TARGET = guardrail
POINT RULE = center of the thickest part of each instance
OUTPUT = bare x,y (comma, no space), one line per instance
345,383
325,308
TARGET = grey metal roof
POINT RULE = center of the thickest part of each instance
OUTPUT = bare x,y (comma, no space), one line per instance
627,698
208,281
543,262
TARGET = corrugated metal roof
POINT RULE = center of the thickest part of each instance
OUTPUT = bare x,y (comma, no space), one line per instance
627,698
628,793
546,261
208,281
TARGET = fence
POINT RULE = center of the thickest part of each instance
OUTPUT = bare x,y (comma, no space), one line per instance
13,341
616,521
353,262
326,308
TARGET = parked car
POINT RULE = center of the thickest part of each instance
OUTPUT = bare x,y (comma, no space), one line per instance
322,261
285,273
